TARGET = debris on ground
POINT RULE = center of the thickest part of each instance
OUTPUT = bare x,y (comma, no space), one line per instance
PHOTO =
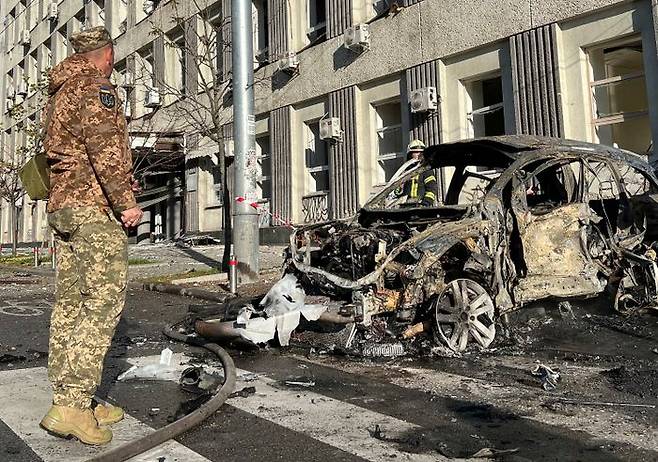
189,406
376,432
278,314
11,358
244,393
249,377
191,241
598,403
162,370
638,382
383,350
565,310
549,377
300,383
492,453
195,380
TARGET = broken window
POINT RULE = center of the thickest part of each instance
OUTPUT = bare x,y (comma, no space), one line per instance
484,104
316,159
619,96
390,152
552,187
477,180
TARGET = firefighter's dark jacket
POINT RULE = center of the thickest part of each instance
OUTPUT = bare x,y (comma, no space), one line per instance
422,188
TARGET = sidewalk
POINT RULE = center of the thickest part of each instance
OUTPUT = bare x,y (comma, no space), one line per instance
167,259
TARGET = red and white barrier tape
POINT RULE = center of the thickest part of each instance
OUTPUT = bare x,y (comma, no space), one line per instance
261,209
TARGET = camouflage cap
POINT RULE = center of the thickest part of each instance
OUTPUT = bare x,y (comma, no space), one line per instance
90,39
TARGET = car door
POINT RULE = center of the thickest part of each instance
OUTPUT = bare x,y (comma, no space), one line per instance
552,217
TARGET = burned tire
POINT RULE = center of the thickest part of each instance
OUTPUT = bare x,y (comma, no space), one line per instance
464,312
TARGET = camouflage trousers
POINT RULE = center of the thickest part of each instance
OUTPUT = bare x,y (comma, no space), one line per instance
92,267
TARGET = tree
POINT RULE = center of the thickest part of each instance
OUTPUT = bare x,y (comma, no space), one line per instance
26,113
12,192
200,96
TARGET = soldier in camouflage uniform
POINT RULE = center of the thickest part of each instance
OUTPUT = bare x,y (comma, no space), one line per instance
91,200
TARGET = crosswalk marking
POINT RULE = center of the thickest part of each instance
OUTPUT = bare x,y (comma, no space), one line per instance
336,423
339,424
25,396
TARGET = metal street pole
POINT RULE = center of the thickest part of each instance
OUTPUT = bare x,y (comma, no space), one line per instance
245,222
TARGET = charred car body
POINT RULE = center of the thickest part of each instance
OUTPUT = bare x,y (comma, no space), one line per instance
523,219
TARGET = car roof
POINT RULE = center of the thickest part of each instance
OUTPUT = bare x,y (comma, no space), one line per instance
502,151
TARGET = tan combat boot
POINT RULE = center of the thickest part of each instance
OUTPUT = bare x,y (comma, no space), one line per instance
68,421
107,414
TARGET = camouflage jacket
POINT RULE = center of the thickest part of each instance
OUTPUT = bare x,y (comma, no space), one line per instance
87,140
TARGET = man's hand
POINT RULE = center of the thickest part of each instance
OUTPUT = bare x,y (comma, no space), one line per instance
131,217
135,186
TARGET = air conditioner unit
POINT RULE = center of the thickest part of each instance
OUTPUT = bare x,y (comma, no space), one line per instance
289,63
152,97
128,80
357,38
262,56
53,11
149,6
330,129
424,100
25,37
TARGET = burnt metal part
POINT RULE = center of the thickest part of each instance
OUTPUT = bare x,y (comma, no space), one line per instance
523,218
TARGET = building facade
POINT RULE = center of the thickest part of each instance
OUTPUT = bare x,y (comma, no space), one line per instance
585,70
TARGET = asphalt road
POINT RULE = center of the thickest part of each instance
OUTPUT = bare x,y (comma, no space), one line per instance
347,409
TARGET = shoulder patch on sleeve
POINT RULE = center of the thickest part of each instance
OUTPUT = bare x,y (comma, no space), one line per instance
107,97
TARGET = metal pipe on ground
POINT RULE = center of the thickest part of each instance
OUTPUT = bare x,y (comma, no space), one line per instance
187,292
188,422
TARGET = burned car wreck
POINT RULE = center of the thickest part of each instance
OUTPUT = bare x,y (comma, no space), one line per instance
522,219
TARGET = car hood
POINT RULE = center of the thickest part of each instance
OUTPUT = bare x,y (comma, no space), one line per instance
324,252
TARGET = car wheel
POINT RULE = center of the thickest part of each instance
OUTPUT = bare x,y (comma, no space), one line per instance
464,311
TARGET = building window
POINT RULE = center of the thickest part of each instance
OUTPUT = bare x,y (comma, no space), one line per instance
620,114
175,66
49,59
390,152
484,104
316,159
261,30
145,68
265,166
317,19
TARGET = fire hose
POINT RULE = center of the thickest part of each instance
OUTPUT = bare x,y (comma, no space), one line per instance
191,420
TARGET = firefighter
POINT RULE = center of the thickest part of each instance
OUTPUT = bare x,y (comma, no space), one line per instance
421,188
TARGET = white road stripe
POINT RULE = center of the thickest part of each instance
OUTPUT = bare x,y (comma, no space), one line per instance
25,396
331,421
336,423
